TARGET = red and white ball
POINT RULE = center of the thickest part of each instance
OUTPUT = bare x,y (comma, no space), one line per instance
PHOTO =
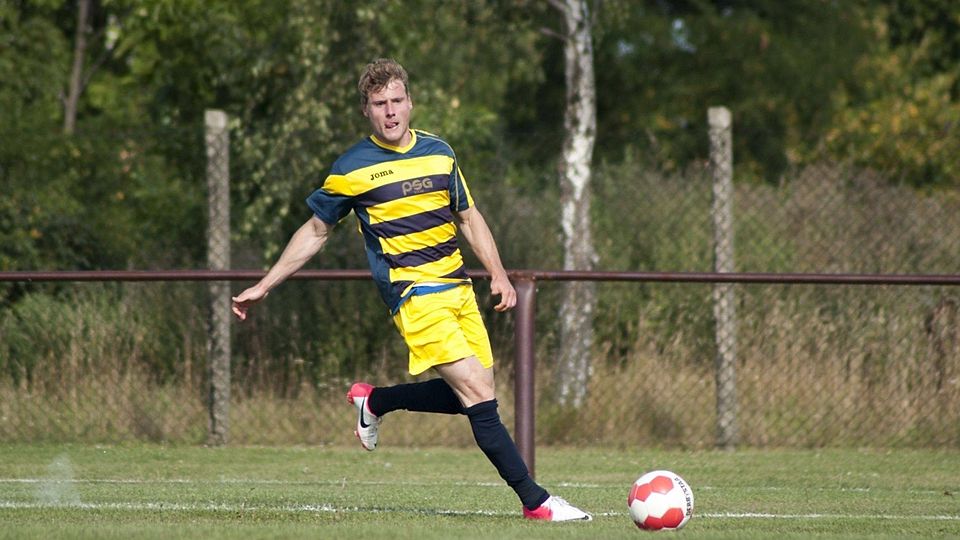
660,500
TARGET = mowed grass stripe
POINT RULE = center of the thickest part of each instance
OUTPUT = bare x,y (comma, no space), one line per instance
404,483
313,508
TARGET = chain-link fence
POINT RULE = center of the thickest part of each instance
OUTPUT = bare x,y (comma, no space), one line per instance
817,365
812,365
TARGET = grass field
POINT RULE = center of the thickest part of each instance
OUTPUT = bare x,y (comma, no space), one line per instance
323,492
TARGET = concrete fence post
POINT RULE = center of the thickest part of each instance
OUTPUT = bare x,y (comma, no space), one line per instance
724,294
218,258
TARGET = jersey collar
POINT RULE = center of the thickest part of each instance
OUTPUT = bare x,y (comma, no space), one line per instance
398,149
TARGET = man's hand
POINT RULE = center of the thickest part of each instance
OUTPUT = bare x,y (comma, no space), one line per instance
475,230
243,301
508,296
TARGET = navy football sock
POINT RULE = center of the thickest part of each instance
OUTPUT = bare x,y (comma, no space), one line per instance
434,396
495,441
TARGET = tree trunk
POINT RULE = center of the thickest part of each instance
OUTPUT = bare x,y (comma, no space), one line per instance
72,99
580,120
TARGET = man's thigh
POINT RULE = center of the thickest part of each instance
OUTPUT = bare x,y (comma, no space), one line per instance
470,380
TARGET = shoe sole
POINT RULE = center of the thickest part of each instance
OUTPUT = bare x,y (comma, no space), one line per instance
549,520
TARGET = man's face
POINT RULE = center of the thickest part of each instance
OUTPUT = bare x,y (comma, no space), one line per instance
389,113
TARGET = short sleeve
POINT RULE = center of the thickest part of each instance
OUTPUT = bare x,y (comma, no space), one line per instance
460,198
329,205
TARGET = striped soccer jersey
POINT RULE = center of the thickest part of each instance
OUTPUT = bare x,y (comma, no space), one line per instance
404,199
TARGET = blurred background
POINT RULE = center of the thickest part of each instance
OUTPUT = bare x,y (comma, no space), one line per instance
845,159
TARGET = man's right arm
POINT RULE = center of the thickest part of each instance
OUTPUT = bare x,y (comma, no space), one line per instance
304,244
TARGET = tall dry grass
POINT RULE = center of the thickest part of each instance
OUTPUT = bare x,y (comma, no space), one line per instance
102,363
804,378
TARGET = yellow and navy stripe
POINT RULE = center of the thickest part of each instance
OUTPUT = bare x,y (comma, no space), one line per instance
404,199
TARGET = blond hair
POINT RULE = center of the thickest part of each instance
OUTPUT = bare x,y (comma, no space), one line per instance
377,75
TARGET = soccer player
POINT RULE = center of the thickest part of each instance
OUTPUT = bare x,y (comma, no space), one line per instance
406,189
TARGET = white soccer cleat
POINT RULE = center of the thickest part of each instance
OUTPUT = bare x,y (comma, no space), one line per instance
557,509
367,422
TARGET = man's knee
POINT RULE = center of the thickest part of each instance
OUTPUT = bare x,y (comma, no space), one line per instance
472,382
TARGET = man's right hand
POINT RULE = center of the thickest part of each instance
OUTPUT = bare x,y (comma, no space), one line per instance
243,301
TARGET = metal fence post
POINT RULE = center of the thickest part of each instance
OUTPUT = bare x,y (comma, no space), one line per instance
724,297
524,371
218,258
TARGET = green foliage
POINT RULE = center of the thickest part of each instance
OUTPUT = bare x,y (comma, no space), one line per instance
291,125
285,72
118,193
32,53
95,201
463,96
904,114
661,64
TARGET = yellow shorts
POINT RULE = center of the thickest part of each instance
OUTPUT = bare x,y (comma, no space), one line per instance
443,327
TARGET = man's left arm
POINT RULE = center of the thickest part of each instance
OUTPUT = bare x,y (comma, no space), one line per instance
478,235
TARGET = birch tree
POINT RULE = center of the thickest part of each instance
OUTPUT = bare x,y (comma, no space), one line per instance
72,98
580,121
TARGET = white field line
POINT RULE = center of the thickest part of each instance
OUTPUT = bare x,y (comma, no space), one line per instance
250,481
763,515
328,508
237,508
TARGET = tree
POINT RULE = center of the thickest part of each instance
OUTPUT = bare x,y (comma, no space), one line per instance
775,65
76,71
580,121
902,116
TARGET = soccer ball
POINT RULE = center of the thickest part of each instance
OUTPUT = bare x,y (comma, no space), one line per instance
660,500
